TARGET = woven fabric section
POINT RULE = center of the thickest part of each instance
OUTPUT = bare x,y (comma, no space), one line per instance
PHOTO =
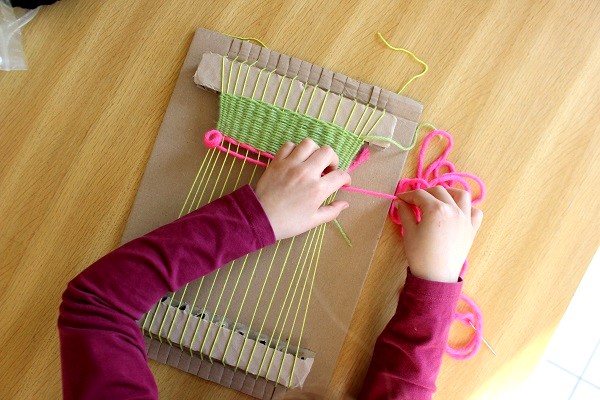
267,127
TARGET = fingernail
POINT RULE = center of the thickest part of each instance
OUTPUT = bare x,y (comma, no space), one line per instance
346,206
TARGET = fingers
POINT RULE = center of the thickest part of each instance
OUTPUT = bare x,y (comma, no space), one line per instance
476,218
304,150
441,194
451,196
330,212
420,198
322,158
335,180
285,151
462,199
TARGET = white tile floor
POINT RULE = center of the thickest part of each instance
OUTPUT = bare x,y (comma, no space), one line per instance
570,368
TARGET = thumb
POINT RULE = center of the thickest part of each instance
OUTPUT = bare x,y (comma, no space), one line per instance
407,216
330,212
476,218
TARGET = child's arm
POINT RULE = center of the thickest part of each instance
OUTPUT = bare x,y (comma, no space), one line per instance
408,353
102,349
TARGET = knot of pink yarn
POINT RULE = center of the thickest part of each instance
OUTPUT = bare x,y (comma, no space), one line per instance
442,172
213,138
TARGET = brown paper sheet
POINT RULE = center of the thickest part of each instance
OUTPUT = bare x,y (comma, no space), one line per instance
177,155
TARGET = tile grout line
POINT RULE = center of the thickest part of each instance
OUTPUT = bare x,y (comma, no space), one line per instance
563,369
580,378
590,383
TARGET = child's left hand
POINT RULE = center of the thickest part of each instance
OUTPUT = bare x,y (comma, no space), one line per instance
293,188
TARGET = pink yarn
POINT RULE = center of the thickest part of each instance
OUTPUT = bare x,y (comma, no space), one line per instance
362,157
435,175
213,138
473,319
369,192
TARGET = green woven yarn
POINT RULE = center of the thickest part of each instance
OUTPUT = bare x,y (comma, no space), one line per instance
267,127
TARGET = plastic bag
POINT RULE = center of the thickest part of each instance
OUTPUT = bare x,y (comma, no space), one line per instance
12,56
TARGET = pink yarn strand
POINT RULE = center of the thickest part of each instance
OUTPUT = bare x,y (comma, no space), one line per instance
473,319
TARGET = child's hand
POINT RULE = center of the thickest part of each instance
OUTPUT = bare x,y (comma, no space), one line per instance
293,189
437,247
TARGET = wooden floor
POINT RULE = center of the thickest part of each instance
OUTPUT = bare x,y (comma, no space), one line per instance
517,83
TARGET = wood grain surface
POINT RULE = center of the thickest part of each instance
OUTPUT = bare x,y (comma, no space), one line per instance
517,83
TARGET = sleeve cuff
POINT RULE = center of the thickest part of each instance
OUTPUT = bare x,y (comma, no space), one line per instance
423,287
250,208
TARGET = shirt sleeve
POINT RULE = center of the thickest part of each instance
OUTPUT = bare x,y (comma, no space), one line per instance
408,353
102,348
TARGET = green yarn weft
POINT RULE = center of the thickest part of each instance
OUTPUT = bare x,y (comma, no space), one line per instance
267,127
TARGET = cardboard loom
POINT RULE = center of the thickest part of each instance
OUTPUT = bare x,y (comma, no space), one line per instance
173,164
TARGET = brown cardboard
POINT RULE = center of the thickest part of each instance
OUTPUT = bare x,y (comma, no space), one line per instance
242,78
178,153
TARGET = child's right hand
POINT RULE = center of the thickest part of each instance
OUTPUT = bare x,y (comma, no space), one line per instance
437,247
293,188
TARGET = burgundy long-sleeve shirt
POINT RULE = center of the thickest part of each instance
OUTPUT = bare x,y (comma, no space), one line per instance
102,349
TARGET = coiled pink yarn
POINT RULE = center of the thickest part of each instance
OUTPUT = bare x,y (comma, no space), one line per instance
443,173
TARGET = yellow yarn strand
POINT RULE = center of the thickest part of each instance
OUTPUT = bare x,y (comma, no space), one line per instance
212,192
393,142
285,301
426,125
311,266
160,329
226,309
246,77
278,90
260,294
237,76
212,171
250,39
230,265
337,109
342,232
312,284
362,130
316,249
289,307
223,75
237,318
230,72
412,55
314,89
257,81
262,98
187,284
210,159
218,270
289,91
285,261
180,214
376,123
226,280
193,185
351,114
323,104
304,85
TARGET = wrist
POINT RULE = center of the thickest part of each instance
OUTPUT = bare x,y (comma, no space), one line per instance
433,274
